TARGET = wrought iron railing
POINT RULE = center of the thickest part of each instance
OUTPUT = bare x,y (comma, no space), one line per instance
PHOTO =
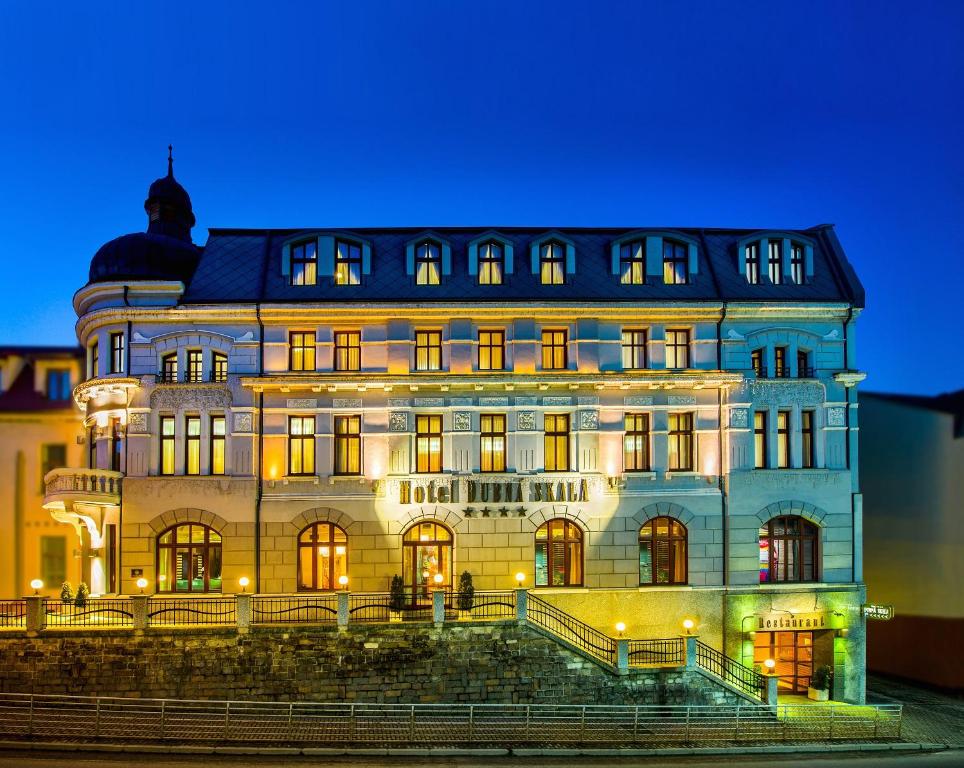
569,629
378,607
664,652
730,670
13,613
94,612
484,605
300,609
206,610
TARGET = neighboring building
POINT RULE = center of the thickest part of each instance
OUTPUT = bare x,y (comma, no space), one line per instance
912,473
39,428
648,424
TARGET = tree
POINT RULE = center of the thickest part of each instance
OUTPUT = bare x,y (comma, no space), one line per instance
396,600
466,594
83,594
66,593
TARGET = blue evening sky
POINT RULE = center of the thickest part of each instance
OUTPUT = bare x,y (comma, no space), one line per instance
461,112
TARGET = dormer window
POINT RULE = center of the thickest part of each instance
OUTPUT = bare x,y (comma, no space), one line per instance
58,384
798,271
775,261
348,263
632,263
304,263
752,254
552,263
491,263
675,263
428,263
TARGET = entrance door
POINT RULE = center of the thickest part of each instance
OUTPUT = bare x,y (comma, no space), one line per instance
426,551
793,653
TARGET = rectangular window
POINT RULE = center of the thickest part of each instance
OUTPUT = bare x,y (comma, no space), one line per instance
428,443
555,355
677,349
775,261
219,367
92,448
117,353
492,442
195,366
634,349
557,442
636,443
347,445
116,444
428,350
301,351
798,272
169,368
94,364
780,369
491,264
681,442
804,371
58,384
806,433
783,439
347,351
301,445
192,445
218,431
348,263
428,264
759,440
752,255
53,560
756,362
491,350
167,445
304,263
52,456
632,263
675,263
552,263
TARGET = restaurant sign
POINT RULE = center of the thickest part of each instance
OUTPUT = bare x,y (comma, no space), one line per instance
879,612
786,621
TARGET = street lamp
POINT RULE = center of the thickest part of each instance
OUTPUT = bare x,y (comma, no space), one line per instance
519,578
620,628
244,581
36,585
688,625
141,583
343,581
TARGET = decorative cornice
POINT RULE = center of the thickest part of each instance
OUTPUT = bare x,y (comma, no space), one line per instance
99,387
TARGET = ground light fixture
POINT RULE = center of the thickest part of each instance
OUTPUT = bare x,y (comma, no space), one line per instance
244,581
36,585
519,578
769,665
141,583
620,627
688,625
343,581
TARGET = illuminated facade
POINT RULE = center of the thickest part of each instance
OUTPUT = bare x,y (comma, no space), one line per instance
645,423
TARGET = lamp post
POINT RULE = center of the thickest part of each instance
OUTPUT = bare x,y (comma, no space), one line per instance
244,581
36,585
141,584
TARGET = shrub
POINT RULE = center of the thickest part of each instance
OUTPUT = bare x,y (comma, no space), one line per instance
66,593
821,678
396,600
83,594
466,596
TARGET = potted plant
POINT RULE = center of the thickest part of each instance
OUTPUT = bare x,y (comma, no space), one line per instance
66,593
819,689
466,596
83,595
396,598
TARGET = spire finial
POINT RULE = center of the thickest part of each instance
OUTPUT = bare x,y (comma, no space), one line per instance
170,160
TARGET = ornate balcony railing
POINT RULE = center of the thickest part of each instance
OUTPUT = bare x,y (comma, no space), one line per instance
68,484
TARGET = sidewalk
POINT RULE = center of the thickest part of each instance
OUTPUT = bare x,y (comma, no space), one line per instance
930,717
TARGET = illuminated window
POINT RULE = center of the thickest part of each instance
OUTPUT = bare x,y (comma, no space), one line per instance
167,445
94,360
117,353
783,439
301,351
788,550
555,355
558,554
58,384
552,263
347,445
752,255
632,263
218,431
492,442
756,362
192,445
798,271
775,261
675,263
426,552
557,442
347,351
219,367
491,263
636,443
189,559
677,349
322,557
428,443
681,442
662,552
759,439
780,368
169,368
301,445
491,350
304,263
195,368
428,263
428,350
634,349
348,263
807,433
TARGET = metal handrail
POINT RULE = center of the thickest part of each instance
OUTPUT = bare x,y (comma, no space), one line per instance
667,651
730,670
13,613
568,628
485,605
172,610
113,612
298,609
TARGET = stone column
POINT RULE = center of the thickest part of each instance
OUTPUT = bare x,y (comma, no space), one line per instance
243,610
770,697
438,607
521,604
343,610
139,610
622,656
35,618
690,643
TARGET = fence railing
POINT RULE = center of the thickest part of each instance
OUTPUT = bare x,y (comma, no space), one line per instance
665,652
569,629
209,610
730,671
484,605
27,717
378,607
13,613
309,609
95,612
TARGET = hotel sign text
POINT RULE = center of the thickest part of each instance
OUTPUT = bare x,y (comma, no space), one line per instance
474,490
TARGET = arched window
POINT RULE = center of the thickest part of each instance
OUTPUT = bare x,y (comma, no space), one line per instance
558,554
189,559
662,552
788,550
322,556
426,552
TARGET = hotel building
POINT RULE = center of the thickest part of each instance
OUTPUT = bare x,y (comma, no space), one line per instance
649,424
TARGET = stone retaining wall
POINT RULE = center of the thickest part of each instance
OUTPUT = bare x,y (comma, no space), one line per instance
479,662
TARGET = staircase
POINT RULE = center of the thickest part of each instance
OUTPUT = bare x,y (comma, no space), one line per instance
620,655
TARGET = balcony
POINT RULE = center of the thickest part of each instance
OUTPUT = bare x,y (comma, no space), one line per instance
172,377
65,486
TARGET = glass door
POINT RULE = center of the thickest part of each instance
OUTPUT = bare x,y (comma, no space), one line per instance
426,552
793,653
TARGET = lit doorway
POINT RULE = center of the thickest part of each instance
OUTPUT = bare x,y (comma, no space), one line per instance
793,653
426,551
